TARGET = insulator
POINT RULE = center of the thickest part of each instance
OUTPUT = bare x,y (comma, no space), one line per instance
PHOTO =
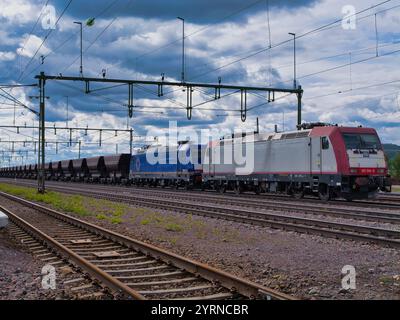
130,110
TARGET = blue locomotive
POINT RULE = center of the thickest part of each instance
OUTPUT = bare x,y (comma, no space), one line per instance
177,166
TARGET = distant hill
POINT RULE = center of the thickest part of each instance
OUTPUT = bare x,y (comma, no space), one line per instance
391,149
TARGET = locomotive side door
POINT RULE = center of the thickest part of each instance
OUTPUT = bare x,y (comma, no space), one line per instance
315,155
210,155
213,158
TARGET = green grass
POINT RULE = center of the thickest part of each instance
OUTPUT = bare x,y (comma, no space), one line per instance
115,220
173,227
145,222
386,280
396,188
147,217
73,204
114,213
82,206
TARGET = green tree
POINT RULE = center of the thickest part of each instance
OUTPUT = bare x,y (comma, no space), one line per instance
394,166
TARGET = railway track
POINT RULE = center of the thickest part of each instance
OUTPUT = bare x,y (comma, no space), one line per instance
127,267
244,215
387,202
228,202
75,284
394,198
278,205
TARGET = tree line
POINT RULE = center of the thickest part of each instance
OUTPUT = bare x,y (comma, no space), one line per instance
394,166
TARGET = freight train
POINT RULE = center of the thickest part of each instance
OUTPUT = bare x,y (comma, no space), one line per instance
322,160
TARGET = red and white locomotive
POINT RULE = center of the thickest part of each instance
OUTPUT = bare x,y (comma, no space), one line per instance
324,160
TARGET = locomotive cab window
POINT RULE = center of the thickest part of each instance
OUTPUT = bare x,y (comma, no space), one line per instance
325,143
361,141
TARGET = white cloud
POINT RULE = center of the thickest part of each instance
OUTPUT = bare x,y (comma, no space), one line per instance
18,11
32,44
221,44
7,56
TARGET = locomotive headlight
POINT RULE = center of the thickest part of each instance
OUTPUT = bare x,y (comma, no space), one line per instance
381,171
353,170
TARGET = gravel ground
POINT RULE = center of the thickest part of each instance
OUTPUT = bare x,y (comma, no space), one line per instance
20,273
326,217
306,266
300,214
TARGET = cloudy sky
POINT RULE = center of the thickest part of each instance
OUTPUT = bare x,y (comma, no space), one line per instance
348,70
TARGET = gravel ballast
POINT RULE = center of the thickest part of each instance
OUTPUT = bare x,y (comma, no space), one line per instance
20,273
306,266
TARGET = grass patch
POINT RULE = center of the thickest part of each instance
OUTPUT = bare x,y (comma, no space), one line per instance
173,227
73,204
167,222
76,204
145,222
188,223
386,280
115,220
396,188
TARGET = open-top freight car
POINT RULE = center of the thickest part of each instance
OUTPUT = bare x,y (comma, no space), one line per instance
67,170
80,170
57,170
96,169
117,169
48,167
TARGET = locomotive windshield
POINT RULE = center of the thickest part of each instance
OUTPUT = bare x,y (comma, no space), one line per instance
361,141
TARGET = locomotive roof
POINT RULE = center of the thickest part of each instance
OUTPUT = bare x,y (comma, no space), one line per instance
316,131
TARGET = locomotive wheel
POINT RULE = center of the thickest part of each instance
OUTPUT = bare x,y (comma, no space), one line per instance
324,196
257,190
238,189
189,187
298,194
221,189
324,193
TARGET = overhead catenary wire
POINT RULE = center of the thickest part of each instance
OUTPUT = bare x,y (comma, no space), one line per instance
354,89
114,101
367,9
269,45
199,30
193,33
45,38
33,28
68,39
307,33
10,97
349,65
